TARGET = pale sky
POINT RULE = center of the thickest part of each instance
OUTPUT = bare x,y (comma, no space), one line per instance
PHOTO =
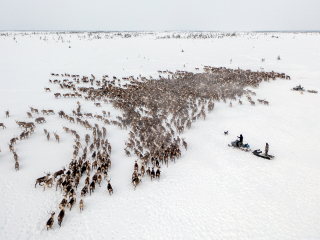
160,15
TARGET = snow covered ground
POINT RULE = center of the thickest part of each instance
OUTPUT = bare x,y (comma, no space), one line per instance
212,191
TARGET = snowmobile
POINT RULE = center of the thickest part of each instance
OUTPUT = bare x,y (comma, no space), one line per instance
259,153
298,88
244,147
312,91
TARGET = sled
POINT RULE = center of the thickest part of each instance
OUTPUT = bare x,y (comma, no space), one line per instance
298,88
259,153
243,147
312,91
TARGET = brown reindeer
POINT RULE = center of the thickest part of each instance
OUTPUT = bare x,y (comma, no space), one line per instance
110,189
81,204
16,165
136,181
50,221
71,202
61,216
42,179
48,183
56,136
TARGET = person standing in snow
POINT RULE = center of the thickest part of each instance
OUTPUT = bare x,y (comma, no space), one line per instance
266,149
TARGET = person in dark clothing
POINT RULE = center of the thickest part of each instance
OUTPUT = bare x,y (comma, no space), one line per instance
240,140
266,149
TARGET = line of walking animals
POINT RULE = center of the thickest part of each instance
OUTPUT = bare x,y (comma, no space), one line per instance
248,92
69,179
28,131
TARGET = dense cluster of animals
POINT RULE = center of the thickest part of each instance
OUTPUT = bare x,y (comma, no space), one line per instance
94,157
157,111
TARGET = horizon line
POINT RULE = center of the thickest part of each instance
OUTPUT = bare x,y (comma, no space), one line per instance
158,31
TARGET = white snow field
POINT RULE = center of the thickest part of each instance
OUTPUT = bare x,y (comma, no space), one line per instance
212,191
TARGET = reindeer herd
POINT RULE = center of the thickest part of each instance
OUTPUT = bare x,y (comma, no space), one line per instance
157,111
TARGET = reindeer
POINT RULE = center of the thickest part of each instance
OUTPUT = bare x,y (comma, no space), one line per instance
13,140
184,143
152,174
58,173
158,173
76,181
142,169
20,124
59,181
72,192
15,156
71,202
48,183
127,152
2,125
16,166
40,120
66,129
56,136
47,89
11,148
92,186
50,221
110,189
78,144
148,171
84,190
136,166
42,179
7,113
87,180
134,174
63,202
61,216
230,104
48,136
136,181
99,179
29,115
31,109
81,204
240,102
